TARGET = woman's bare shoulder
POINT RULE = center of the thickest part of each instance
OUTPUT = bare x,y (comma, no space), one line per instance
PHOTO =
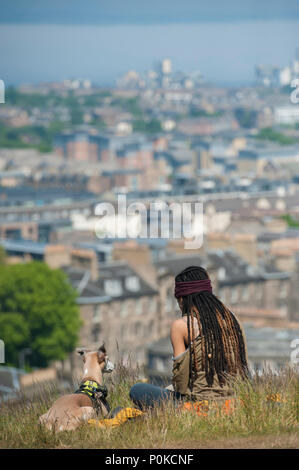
178,324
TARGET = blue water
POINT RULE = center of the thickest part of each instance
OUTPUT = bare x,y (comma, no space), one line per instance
223,52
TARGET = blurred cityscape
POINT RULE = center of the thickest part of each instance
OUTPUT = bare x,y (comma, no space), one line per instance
169,136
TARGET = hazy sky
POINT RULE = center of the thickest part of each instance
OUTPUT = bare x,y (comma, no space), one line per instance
51,40
144,11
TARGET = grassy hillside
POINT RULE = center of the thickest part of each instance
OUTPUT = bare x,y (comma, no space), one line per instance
255,421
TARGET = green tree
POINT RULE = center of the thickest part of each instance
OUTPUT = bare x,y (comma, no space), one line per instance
76,115
38,310
151,127
2,256
267,133
292,223
15,333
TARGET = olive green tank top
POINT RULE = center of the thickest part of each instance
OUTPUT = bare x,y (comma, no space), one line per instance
201,390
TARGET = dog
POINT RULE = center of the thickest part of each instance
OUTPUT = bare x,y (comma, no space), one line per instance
69,411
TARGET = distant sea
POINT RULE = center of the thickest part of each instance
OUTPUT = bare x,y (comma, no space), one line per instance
225,53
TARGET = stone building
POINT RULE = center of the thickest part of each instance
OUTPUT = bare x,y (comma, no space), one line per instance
255,293
268,349
119,307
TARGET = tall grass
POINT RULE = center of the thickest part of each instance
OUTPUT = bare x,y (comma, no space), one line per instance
254,417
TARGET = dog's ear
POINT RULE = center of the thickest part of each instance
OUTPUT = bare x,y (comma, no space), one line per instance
82,351
101,353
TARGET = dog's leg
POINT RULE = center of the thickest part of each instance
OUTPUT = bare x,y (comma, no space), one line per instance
85,413
78,416
42,419
68,420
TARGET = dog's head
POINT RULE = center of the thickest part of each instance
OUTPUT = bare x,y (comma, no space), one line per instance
100,355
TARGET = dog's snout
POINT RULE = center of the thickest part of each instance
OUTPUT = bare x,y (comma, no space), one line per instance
109,366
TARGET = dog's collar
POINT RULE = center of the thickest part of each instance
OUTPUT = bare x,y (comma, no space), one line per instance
95,392
91,387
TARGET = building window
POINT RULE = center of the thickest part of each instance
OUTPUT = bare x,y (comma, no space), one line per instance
95,333
245,293
226,295
132,283
138,307
221,274
234,295
168,304
113,287
221,294
97,313
151,361
160,365
139,354
138,328
123,309
123,332
152,305
259,291
151,327
283,290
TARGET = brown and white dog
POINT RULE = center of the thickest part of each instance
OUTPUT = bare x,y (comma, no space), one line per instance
69,411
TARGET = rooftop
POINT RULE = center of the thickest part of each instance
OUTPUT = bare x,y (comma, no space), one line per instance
116,281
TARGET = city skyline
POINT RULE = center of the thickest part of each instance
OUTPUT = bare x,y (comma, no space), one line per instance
41,53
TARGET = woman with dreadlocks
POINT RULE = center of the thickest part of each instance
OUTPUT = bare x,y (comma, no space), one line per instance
208,346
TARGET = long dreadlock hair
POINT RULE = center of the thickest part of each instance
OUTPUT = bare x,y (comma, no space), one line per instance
222,339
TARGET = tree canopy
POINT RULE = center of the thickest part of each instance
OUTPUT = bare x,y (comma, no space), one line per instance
38,310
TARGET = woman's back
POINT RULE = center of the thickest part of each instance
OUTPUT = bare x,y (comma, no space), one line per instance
208,341
181,364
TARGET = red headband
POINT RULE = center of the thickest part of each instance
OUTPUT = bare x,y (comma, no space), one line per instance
192,287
